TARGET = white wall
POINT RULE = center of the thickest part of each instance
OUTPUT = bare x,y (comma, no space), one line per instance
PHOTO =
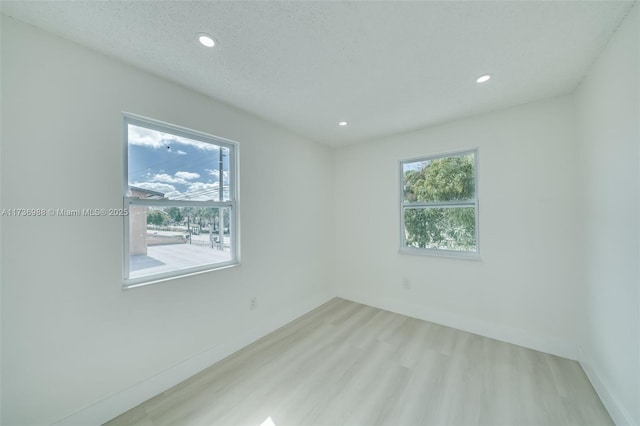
609,122
559,242
524,289
70,336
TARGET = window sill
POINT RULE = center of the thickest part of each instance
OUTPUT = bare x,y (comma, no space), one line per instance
441,253
157,279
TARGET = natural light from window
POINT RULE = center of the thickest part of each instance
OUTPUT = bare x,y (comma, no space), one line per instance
439,208
180,194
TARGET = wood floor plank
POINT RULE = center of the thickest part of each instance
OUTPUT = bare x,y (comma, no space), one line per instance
350,364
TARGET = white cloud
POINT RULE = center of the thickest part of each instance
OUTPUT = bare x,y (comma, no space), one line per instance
181,152
202,191
181,178
145,137
165,178
198,191
154,139
156,186
216,173
187,175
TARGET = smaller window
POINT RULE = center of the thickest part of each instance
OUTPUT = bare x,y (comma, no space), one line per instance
181,195
439,207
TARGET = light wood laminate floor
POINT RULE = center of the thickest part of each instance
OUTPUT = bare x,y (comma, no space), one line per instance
351,364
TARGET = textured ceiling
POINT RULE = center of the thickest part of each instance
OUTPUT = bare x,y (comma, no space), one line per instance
385,67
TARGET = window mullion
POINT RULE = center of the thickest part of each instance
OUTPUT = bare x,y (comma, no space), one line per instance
441,204
177,203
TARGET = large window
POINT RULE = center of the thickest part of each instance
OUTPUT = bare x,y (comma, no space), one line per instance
439,208
181,196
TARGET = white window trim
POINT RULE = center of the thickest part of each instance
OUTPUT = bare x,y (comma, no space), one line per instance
232,203
473,202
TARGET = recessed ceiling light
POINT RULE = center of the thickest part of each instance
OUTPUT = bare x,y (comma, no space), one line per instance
342,123
483,78
206,40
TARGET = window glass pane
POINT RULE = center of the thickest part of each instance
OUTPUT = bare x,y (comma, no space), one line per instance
167,239
165,166
450,228
441,179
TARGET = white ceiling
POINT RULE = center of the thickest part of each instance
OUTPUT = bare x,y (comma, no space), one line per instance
385,67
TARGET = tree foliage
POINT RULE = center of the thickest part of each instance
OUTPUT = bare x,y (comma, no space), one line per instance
157,217
175,213
201,216
446,227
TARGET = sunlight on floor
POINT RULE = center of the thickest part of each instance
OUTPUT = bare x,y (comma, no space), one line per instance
268,422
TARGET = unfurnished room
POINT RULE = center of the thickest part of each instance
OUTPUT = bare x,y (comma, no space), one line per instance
320,213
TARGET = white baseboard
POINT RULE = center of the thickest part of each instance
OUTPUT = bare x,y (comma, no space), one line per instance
516,336
619,415
114,405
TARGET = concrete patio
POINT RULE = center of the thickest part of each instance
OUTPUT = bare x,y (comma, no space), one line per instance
172,257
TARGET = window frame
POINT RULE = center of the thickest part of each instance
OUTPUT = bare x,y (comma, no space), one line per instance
473,202
232,203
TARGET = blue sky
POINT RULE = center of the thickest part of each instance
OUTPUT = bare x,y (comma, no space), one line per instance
180,168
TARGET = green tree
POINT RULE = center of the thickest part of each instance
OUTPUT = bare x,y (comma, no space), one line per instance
157,217
175,214
215,220
206,216
440,180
